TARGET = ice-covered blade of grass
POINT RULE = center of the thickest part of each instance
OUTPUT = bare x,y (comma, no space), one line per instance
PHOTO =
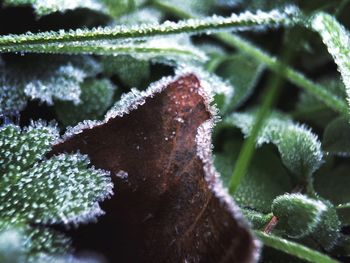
337,39
160,49
300,149
247,20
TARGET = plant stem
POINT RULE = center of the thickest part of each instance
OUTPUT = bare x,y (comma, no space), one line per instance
295,77
247,151
104,49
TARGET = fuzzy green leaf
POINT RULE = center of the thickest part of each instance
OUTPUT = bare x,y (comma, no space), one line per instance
257,219
48,78
30,242
96,97
337,39
297,214
131,71
336,137
60,189
21,149
293,248
333,184
300,149
266,177
327,233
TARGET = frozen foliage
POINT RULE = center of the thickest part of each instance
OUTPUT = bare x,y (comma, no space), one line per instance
46,7
45,78
60,189
265,179
62,80
36,191
21,149
300,149
298,214
131,71
96,97
12,100
337,39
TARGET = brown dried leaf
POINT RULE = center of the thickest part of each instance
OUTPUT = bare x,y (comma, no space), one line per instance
172,206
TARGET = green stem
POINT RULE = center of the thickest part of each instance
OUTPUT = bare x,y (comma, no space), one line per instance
294,249
105,49
247,151
295,77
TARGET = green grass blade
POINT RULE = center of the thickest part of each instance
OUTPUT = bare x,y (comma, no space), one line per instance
294,249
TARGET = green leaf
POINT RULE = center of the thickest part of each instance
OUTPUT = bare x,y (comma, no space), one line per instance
243,74
132,72
21,149
46,7
265,179
12,99
293,248
257,219
297,214
299,148
72,191
96,97
337,39
336,137
50,77
327,233
333,184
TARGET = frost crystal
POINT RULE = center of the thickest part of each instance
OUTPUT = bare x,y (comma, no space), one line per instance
337,39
